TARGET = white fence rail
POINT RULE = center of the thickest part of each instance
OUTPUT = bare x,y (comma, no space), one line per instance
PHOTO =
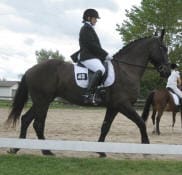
6,98
91,146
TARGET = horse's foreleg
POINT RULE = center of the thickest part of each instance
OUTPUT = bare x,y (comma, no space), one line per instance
109,117
25,122
131,114
39,124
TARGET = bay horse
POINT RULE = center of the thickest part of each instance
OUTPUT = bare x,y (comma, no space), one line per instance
161,100
55,78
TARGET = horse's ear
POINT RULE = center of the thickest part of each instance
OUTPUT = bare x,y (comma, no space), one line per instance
156,34
162,34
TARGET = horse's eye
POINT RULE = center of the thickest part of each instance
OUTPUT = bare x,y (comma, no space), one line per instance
163,48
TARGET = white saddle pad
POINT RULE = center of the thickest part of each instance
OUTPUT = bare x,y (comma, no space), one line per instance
175,98
81,76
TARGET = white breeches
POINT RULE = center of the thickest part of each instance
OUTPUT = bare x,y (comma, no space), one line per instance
176,90
94,65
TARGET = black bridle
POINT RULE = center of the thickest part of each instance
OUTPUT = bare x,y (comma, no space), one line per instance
140,66
134,65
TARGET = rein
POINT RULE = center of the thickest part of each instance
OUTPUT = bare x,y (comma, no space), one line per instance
134,65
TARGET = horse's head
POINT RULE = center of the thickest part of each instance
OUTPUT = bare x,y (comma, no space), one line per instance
159,57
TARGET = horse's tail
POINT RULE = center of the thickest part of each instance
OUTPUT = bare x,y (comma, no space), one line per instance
19,101
148,103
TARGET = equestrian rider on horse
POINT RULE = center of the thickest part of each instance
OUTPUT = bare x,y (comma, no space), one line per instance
174,81
91,54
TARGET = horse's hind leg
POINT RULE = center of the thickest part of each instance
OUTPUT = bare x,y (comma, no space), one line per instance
39,123
158,121
25,122
153,120
174,119
109,117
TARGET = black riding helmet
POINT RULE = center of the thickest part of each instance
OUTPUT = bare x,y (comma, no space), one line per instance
173,65
90,13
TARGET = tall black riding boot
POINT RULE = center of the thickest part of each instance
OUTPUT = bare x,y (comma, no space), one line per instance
90,97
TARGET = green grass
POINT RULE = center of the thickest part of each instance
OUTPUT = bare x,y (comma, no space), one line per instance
39,165
4,103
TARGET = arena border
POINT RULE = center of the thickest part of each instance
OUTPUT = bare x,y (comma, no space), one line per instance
88,146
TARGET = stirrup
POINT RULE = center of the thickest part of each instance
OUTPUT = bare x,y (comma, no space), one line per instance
92,99
87,99
96,99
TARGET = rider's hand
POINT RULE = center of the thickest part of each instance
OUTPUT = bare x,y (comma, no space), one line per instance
109,57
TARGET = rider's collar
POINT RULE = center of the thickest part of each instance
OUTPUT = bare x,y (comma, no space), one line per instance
89,23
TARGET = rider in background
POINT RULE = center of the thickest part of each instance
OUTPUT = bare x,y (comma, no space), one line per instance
91,53
174,80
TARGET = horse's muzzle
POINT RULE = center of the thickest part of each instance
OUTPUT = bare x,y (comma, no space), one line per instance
164,70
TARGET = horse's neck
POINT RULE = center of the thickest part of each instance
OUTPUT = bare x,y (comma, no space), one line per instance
134,58
134,64
137,58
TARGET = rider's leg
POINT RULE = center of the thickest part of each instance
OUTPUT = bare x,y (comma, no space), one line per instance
97,67
179,93
94,65
94,82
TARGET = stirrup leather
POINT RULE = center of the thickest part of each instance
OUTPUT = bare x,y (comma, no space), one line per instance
92,99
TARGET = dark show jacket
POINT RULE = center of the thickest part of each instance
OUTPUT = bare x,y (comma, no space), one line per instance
90,46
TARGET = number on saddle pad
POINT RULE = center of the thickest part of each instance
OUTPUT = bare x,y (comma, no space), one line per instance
82,76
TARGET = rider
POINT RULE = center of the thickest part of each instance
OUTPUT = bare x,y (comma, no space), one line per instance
91,53
174,80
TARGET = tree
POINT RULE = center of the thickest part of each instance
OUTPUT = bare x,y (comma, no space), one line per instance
44,55
152,16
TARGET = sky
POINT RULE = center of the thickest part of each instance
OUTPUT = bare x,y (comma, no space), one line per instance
30,25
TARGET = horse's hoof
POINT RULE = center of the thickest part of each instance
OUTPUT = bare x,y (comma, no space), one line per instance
12,151
153,132
47,153
145,141
102,155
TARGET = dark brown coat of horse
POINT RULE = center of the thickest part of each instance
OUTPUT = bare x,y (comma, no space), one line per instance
161,100
54,78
